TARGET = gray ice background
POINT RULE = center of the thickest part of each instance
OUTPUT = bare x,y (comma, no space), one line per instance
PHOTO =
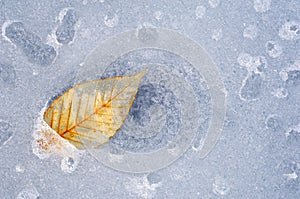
255,45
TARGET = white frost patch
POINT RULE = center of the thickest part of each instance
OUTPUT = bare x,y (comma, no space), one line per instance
262,5
280,93
291,175
52,40
3,29
290,30
62,14
217,34
29,192
250,32
292,129
47,141
200,12
68,164
273,49
214,3
142,187
20,168
111,21
284,73
252,64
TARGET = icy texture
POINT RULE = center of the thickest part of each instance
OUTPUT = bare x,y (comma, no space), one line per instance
30,43
273,49
200,12
66,30
262,5
250,32
251,88
290,30
255,46
7,74
29,193
5,132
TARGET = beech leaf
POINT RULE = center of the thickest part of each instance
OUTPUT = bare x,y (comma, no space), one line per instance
89,114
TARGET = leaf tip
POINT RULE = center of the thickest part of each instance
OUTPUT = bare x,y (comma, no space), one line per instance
141,74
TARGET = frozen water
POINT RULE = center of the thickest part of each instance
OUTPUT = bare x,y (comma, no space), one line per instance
29,193
200,12
280,92
290,30
291,74
5,132
217,34
153,178
111,20
250,32
273,123
256,64
262,5
20,168
30,43
220,186
7,74
273,49
214,3
255,48
252,87
66,30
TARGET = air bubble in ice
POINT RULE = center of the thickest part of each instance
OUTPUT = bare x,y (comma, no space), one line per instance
68,164
273,49
273,123
290,30
153,178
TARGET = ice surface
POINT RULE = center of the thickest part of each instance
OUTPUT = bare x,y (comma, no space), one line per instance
7,74
255,47
200,12
30,43
251,88
5,132
66,30
250,32
273,49
262,5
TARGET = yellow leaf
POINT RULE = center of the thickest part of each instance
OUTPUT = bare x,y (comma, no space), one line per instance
89,114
